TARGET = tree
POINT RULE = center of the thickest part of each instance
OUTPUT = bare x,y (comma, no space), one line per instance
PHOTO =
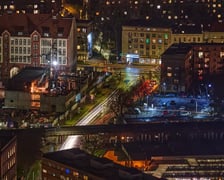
120,103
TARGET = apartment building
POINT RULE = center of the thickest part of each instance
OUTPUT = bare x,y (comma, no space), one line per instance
144,43
203,66
33,7
173,68
193,67
84,39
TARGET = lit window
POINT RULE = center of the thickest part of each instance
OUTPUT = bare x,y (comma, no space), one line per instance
200,54
75,174
222,54
166,36
147,41
67,171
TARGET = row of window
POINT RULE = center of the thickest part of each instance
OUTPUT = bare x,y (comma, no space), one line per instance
12,151
205,55
147,41
148,35
187,39
61,60
20,50
20,41
20,59
49,42
44,42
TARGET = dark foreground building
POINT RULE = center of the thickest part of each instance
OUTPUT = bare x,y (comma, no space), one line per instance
77,164
8,147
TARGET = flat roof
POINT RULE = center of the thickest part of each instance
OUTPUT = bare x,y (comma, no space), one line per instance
101,167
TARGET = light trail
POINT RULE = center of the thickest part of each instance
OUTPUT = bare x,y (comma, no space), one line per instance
75,140
131,74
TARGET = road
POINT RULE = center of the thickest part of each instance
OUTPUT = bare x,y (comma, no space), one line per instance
131,76
75,141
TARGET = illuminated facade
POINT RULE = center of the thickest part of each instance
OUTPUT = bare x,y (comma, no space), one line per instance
33,7
205,61
38,41
190,67
178,11
173,68
144,44
84,39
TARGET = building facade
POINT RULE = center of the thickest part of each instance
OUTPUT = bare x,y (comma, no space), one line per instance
8,157
77,164
144,44
84,39
197,63
202,67
40,40
173,68
33,7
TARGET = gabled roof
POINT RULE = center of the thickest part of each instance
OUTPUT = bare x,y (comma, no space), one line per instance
28,23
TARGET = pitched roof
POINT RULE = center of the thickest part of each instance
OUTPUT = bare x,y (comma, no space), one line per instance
26,75
27,23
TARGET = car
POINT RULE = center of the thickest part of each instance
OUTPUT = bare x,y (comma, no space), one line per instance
185,113
182,108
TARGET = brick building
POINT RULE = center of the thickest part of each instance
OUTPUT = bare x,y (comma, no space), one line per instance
193,67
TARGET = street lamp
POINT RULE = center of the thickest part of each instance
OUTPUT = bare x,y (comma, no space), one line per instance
53,73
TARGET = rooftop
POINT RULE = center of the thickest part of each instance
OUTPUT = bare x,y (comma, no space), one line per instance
26,24
100,167
26,75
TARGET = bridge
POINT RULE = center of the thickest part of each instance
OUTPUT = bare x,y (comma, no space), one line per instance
148,132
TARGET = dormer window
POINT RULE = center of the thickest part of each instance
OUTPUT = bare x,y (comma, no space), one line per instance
19,30
60,31
46,31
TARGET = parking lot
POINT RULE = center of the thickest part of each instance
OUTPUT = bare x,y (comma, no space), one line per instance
159,108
